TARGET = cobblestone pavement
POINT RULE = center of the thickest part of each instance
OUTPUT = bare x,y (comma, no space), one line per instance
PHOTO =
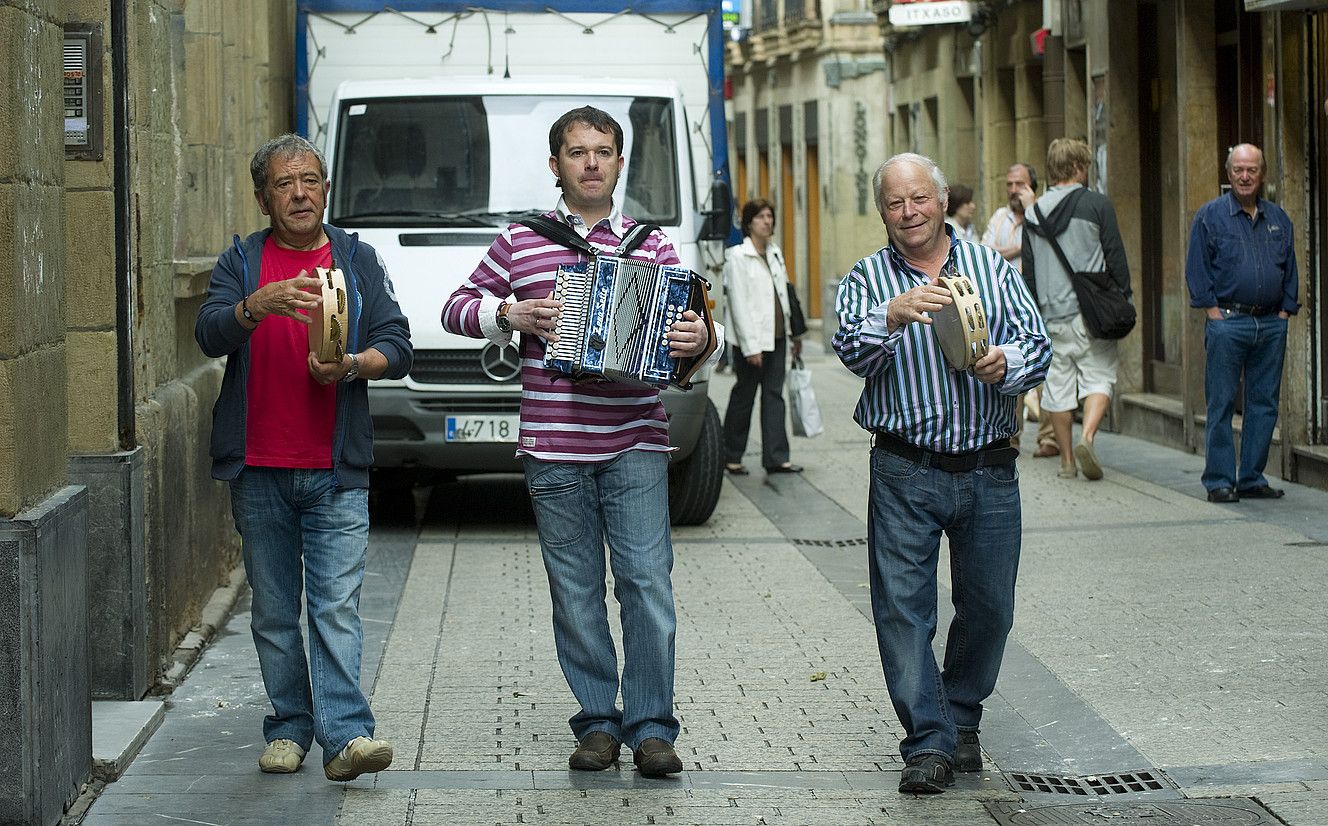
1154,632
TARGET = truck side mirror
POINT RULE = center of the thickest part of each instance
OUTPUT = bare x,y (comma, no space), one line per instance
719,218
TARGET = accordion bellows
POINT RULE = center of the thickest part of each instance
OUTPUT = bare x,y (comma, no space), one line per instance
616,317
327,333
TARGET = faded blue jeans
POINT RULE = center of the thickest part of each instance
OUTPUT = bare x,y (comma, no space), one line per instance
623,502
909,507
1254,346
302,534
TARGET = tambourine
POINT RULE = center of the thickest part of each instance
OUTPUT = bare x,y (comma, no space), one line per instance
327,333
961,326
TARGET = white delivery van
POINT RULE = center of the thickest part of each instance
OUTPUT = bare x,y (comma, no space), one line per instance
430,170
437,137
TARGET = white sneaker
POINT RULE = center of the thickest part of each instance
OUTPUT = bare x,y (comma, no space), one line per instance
360,756
281,756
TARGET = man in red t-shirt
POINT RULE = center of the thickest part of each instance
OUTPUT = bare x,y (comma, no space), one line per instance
293,437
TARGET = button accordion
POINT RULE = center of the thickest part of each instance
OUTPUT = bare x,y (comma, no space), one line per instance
616,316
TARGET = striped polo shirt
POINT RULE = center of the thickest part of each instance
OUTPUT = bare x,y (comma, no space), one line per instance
911,392
561,420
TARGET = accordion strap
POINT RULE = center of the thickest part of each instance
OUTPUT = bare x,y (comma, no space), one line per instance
560,233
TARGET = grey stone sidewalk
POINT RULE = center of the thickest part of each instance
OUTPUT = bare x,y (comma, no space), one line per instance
1155,632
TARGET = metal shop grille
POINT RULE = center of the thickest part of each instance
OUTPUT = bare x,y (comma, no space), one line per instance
449,367
1086,785
477,404
832,543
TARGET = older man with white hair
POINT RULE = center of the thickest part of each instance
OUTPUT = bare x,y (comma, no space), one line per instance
941,462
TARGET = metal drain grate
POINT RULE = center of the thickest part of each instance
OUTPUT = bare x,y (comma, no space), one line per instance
1225,812
1093,784
831,543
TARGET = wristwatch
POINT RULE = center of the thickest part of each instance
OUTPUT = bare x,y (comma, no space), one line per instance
504,323
244,310
354,371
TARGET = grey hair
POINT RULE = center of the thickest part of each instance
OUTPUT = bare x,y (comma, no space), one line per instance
937,177
1231,150
282,146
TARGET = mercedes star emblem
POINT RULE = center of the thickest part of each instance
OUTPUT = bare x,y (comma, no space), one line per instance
500,363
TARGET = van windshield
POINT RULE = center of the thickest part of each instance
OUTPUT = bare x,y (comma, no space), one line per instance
484,160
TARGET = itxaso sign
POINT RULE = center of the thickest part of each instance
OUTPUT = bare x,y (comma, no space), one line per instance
929,12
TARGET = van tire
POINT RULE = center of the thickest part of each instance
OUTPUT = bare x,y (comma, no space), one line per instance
695,482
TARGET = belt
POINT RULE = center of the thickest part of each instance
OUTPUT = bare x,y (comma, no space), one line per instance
997,453
1247,309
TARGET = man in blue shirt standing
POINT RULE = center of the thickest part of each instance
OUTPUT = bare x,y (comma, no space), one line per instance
1241,270
941,461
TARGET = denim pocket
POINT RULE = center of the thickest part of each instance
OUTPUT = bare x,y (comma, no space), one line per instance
1005,474
894,467
556,495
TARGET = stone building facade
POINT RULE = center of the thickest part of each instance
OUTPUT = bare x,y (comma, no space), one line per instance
805,119
1158,88
114,535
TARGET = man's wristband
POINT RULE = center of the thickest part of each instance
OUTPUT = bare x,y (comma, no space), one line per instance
244,310
354,372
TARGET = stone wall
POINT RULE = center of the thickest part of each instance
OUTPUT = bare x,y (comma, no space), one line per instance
207,83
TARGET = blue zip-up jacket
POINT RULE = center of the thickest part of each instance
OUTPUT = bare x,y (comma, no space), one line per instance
376,321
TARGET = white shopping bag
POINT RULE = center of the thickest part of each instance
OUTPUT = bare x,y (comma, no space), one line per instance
805,411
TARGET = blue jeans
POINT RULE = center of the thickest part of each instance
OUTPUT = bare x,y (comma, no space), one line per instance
302,533
579,507
909,507
1255,346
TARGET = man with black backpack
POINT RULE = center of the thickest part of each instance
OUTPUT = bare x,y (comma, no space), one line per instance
1070,233
595,454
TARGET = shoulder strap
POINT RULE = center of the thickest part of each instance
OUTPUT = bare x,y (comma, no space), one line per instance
635,237
559,233
1051,239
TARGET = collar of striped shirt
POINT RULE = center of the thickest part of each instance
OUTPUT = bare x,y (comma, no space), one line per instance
912,392
614,221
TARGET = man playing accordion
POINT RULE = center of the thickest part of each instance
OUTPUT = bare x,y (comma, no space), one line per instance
596,459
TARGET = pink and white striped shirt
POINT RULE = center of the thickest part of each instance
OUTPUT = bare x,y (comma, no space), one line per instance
561,421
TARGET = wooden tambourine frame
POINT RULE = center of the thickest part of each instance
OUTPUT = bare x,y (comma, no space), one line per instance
327,333
961,326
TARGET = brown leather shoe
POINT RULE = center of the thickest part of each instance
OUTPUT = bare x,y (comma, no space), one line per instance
1046,450
656,758
597,750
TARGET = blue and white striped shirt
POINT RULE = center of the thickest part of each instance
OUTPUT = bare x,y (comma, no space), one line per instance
911,392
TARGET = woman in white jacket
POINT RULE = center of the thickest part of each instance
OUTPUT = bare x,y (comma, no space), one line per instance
756,286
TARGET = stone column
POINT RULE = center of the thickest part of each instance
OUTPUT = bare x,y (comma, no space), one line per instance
1196,86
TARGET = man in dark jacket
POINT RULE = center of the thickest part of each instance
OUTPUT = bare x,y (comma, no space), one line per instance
1083,368
293,437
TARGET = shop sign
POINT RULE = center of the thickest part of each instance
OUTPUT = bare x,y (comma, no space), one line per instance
930,12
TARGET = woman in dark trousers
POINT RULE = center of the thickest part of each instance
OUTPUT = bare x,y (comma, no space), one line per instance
756,284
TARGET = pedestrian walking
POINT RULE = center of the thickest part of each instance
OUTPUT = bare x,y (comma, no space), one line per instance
1005,234
760,322
1083,368
941,461
1241,270
293,437
596,460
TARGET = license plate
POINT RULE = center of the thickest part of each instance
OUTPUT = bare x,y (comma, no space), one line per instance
482,428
